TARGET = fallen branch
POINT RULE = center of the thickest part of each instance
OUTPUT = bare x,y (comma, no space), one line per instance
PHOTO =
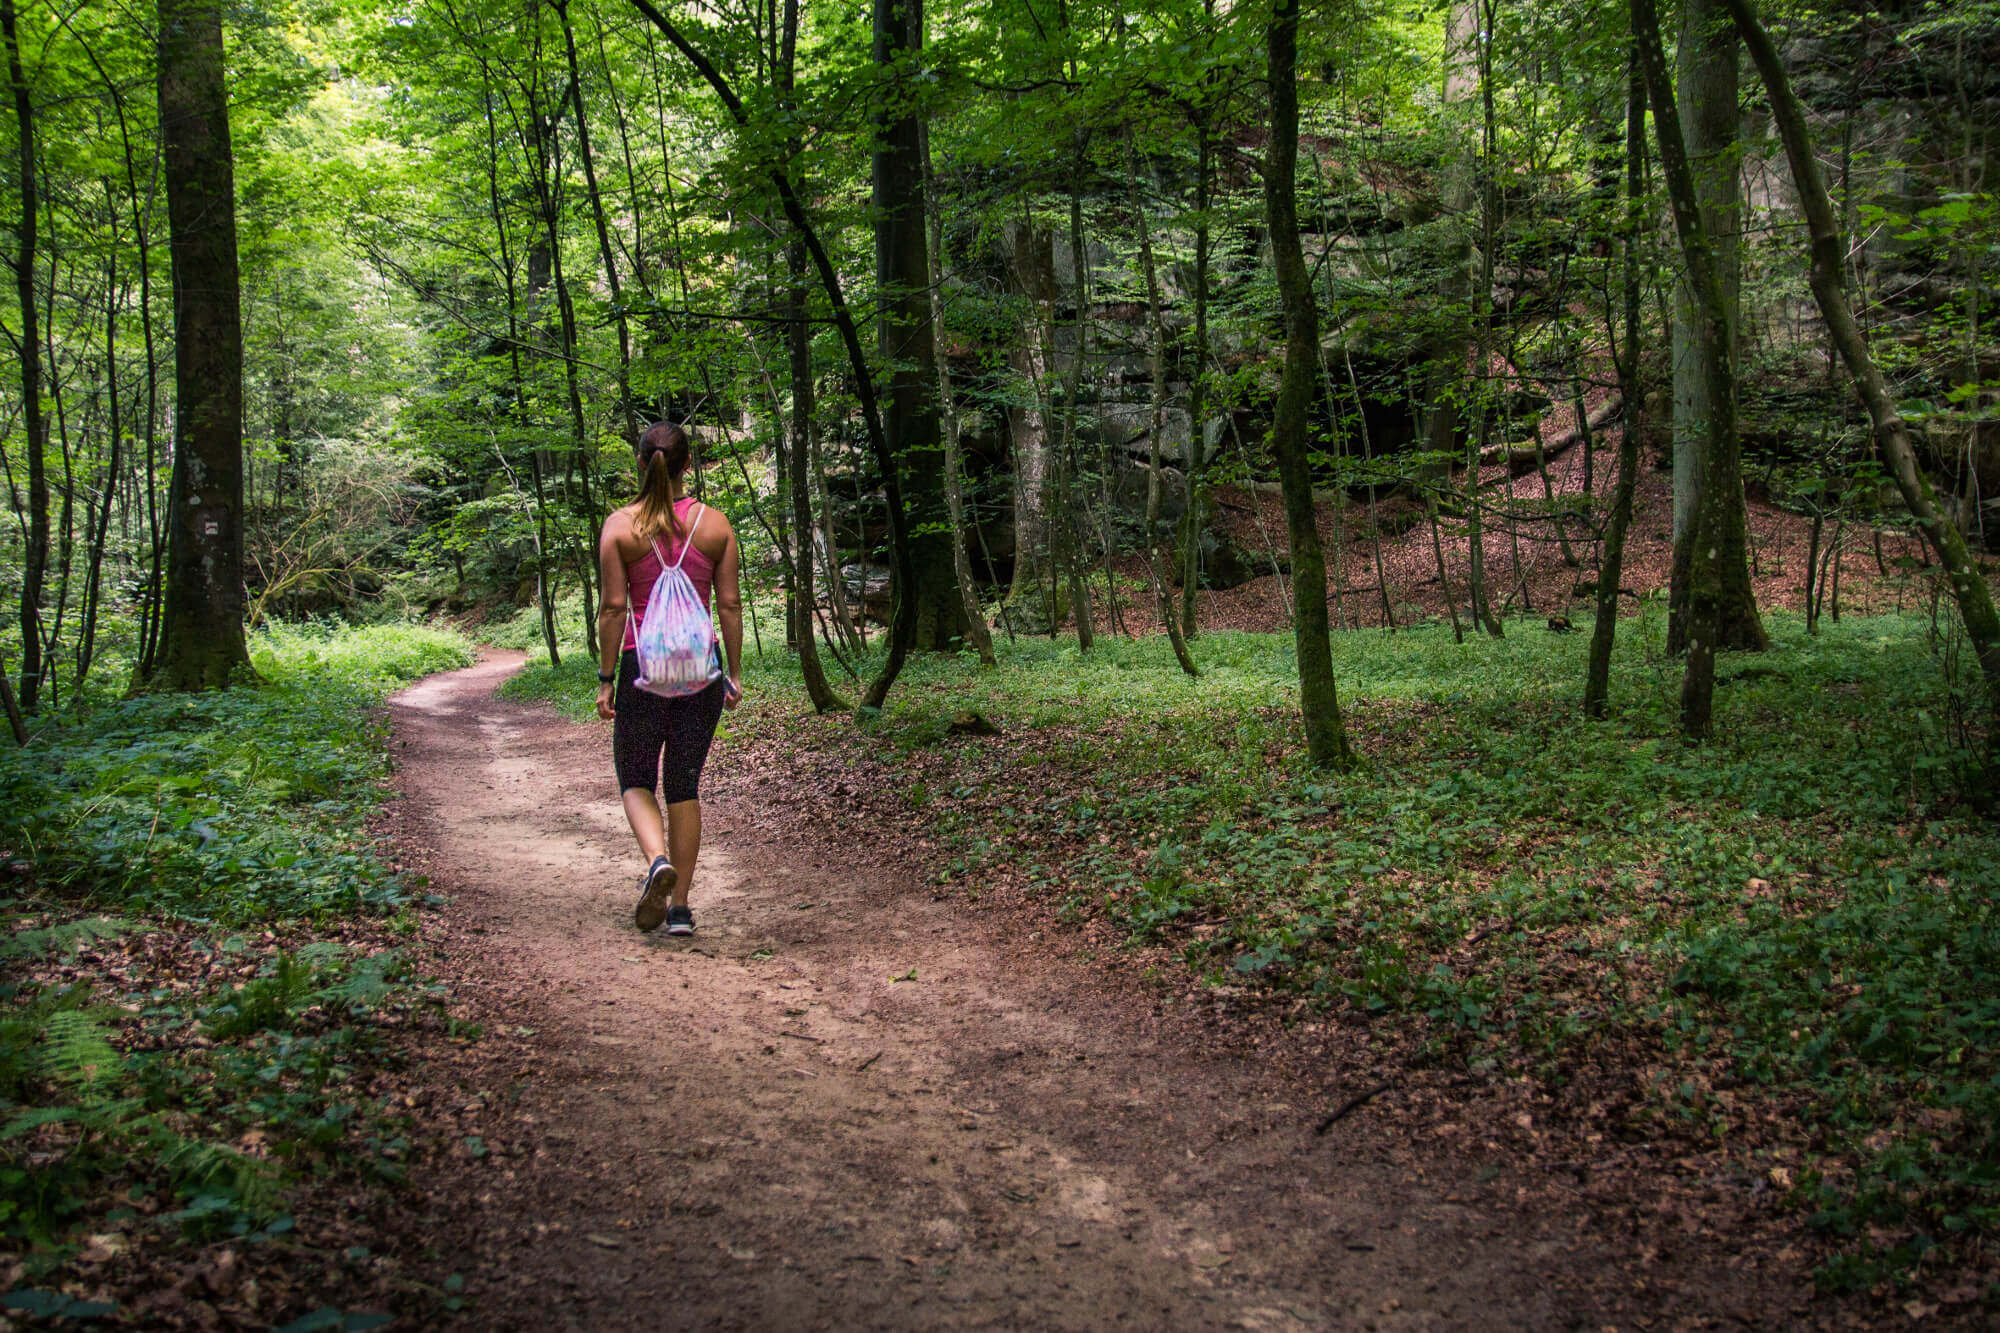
1522,459
1351,1105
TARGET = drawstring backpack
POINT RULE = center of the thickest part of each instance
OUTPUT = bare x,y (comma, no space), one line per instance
677,647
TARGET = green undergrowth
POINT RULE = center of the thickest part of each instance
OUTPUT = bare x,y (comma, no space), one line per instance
233,805
194,991
1788,940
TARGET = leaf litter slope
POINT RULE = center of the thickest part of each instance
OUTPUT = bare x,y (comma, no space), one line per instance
847,1103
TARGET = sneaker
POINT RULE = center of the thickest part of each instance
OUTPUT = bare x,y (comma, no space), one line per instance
655,886
680,920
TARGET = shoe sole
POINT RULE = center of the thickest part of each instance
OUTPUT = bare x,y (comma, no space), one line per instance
652,908
680,928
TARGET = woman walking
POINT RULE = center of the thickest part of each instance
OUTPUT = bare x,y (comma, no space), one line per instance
655,739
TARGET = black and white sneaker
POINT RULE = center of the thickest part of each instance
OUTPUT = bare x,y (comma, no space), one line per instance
680,920
655,887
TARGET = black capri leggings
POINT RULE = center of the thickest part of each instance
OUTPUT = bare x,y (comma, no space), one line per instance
663,739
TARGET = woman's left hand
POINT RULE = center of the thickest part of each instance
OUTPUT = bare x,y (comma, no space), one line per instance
604,708
732,692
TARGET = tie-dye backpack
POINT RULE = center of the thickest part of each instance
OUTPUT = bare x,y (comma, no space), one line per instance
678,652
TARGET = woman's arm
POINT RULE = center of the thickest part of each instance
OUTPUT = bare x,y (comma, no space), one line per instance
729,613
610,615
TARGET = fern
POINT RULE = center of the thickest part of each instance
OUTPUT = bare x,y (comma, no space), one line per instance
267,1002
368,982
64,938
208,1168
76,1049
32,1119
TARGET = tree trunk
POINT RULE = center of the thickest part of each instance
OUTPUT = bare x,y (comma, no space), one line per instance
1611,567
1156,356
903,328
1719,528
1444,580
1374,519
1443,416
1892,437
86,646
1706,72
579,430
35,560
1070,553
954,473
1478,597
1326,738
1032,604
640,272
544,594
1197,490
15,722
149,611
828,541
798,456
201,644
798,345
626,414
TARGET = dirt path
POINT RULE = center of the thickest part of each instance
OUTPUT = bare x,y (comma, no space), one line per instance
768,1127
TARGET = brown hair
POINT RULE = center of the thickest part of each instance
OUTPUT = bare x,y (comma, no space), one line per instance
663,456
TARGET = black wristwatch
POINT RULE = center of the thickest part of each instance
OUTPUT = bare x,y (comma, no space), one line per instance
604,679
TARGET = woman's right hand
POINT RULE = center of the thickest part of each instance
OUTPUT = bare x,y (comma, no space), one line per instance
604,708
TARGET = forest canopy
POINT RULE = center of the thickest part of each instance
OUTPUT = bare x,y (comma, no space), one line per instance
1008,282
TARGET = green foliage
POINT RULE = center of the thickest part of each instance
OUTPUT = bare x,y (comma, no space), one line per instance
226,807
1806,910
229,806
62,1082
90,1108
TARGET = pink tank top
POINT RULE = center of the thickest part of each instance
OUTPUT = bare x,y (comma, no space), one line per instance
643,573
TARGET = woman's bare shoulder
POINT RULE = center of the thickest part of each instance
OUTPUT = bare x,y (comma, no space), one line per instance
715,534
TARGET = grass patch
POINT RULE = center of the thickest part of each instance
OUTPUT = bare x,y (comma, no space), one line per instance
1788,940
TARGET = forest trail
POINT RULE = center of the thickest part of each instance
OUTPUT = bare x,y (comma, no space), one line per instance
767,1126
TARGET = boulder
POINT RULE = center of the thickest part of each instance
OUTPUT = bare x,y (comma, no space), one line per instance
1227,563
868,588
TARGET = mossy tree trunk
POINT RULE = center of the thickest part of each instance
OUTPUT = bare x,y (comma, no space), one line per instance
976,630
202,644
903,329
1032,603
1326,737
1156,358
1718,524
35,558
1706,61
1611,566
798,454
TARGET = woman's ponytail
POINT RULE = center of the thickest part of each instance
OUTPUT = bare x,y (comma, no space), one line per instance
663,457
